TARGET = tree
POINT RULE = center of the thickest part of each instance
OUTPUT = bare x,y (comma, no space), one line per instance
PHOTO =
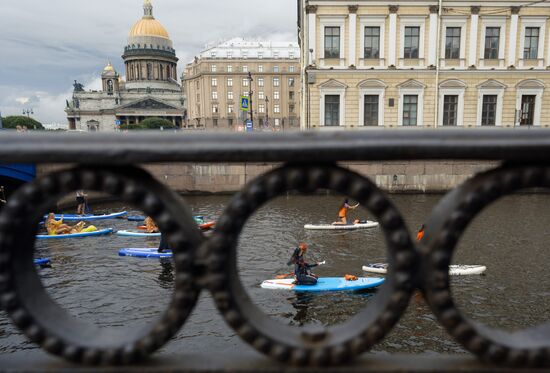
12,122
156,123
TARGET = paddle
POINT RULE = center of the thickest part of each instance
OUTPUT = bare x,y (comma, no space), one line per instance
282,277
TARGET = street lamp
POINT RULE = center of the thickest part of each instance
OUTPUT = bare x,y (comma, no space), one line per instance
28,113
250,94
266,111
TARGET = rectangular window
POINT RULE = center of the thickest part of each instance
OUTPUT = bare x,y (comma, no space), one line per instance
230,82
276,82
229,68
214,82
261,68
291,69
213,68
276,95
371,110
277,122
229,54
372,42
230,122
410,110
261,96
450,110
291,109
452,43
412,42
332,42
291,96
531,44
528,110
260,82
332,110
245,82
492,43
275,69
291,82
214,95
489,110
230,95
214,109
245,69
261,108
215,122
276,109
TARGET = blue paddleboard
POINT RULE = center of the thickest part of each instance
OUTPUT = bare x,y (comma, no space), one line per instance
325,284
136,218
73,217
144,253
42,262
136,234
76,235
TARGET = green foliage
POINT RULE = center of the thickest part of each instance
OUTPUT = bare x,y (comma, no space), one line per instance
149,124
12,122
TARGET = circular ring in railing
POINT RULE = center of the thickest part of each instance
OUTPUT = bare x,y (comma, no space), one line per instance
43,321
449,220
310,345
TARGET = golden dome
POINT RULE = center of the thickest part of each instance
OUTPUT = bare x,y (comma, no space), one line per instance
109,67
148,25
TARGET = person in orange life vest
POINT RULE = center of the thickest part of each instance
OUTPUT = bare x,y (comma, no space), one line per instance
343,213
420,234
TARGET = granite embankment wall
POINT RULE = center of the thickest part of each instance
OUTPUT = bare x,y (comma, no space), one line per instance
394,177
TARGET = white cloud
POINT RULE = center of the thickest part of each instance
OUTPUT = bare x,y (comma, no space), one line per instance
22,100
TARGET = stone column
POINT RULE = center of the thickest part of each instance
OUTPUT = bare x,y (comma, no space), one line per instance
352,34
474,20
432,54
311,11
392,50
513,36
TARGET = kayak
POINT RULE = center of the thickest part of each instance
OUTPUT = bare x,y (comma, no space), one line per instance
454,270
325,284
73,217
75,235
144,253
42,262
136,234
204,227
331,227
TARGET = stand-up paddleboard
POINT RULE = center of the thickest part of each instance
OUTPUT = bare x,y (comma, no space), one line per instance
136,234
207,226
136,218
144,253
336,227
75,235
325,284
42,262
454,270
73,217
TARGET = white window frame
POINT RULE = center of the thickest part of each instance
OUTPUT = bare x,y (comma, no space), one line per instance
276,95
276,82
420,109
276,68
213,68
215,109
539,92
454,22
332,21
491,21
230,95
261,108
261,82
229,68
412,21
214,95
333,91
261,68
261,95
452,92
373,21
500,103
246,82
381,92
277,109
230,82
230,109
214,82
291,69
245,68
539,22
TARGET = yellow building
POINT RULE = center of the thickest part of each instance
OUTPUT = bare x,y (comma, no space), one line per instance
424,63
216,80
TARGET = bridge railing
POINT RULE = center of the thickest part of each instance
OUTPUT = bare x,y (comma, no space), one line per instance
108,163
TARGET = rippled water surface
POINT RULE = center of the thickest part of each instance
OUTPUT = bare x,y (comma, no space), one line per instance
92,282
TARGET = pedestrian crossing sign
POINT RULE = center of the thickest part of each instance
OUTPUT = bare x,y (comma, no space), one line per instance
245,103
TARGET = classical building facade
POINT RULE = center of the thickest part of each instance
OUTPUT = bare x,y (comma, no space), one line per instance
413,63
151,88
216,80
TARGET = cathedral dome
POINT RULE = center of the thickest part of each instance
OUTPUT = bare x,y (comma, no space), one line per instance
148,25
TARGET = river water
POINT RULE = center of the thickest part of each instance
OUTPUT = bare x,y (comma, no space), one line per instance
92,282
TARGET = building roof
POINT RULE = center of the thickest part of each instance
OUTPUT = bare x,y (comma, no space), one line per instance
242,48
148,25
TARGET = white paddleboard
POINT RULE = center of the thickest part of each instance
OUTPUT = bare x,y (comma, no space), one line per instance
454,270
334,227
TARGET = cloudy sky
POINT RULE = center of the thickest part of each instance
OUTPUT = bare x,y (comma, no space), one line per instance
46,45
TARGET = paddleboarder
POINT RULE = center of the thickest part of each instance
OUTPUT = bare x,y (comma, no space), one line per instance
302,269
343,213
420,234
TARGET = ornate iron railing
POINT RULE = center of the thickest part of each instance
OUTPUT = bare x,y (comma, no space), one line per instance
209,264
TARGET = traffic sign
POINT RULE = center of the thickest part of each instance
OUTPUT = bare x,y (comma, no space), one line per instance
249,126
245,103
118,122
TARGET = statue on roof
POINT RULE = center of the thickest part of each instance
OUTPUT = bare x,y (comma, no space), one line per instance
78,87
